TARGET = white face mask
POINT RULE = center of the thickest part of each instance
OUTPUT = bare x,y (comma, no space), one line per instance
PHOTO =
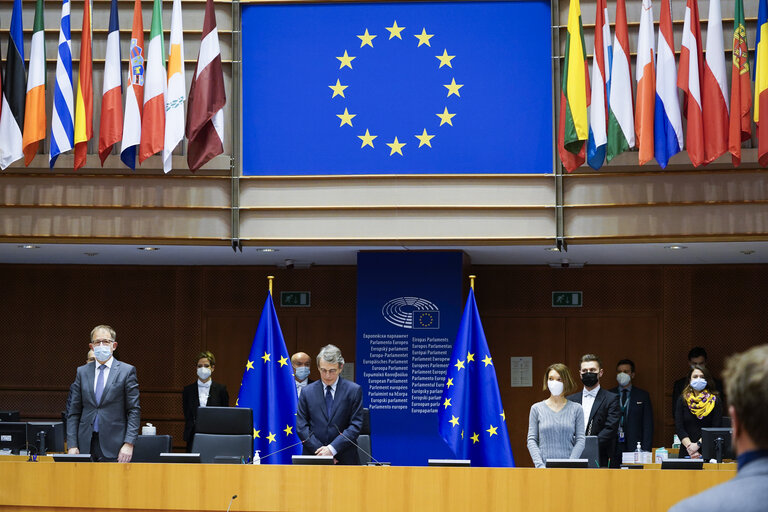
203,372
699,384
102,352
623,379
555,387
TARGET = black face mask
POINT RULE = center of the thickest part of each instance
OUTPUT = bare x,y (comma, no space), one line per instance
589,379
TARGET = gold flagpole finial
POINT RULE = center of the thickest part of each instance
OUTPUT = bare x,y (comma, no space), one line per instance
270,283
472,282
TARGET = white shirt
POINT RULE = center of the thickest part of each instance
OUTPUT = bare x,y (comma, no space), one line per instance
587,401
300,385
105,370
203,390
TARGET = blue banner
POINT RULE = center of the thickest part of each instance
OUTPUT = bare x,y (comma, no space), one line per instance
388,88
408,313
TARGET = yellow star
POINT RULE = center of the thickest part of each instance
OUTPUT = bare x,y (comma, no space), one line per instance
503,416
366,39
445,117
423,37
237,401
265,357
396,147
271,438
447,402
367,138
394,31
424,138
453,88
338,89
475,438
492,431
445,59
288,430
459,364
346,60
487,360
256,433
283,361
470,356
454,421
449,383
346,118
462,434
249,365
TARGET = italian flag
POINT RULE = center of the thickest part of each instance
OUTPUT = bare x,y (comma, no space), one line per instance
153,116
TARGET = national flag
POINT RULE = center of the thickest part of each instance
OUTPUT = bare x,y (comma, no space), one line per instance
14,92
134,94
667,122
740,125
207,97
34,117
621,110
84,98
268,388
62,125
761,83
646,84
111,126
691,64
714,88
153,115
470,415
574,95
177,88
601,84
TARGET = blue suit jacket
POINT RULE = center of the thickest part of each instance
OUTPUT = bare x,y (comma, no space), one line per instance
316,429
638,425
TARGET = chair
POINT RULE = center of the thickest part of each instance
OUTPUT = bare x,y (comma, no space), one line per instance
212,446
149,448
223,433
224,420
591,451
364,439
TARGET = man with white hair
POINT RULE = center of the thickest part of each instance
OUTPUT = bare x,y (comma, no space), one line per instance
330,411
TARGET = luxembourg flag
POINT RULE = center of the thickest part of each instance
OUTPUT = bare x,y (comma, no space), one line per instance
111,129
714,88
646,84
134,94
601,84
667,122
691,62
621,117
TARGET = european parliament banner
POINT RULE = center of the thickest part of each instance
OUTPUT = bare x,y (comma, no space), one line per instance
393,88
408,312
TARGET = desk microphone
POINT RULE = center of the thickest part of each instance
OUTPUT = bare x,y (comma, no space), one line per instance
281,449
376,462
230,501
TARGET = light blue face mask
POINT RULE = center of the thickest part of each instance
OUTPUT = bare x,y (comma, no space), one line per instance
302,372
699,384
102,352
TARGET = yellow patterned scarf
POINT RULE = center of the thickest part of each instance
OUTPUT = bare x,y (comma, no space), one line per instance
701,405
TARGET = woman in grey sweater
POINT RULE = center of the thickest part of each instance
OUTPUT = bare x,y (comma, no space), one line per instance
556,425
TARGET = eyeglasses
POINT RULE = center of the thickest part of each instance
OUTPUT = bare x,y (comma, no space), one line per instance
329,371
102,342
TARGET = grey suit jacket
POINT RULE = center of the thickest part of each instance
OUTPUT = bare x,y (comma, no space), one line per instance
746,492
119,411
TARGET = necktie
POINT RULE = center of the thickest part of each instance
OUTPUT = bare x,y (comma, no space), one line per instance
99,392
624,404
328,400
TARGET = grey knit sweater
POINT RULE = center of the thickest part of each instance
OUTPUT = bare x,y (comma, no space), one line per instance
555,435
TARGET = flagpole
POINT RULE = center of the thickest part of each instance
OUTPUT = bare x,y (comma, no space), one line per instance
472,281
270,283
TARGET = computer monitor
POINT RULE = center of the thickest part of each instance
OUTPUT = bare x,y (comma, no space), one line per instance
682,464
180,458
323,460
13,436
567,463
716,443
10,416
452,463
45,436
224,420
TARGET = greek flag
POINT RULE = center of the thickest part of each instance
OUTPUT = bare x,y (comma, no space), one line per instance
62,126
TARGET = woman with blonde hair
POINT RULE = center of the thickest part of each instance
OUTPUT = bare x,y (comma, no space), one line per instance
556,425
698,406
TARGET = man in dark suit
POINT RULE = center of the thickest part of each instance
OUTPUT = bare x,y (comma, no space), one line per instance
300,362
202,393
636,420
103,413
697,356
601,408
330,412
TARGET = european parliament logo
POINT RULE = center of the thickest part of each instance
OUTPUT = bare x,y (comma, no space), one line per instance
411,313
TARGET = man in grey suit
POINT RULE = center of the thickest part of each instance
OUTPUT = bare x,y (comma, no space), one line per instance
330,412
746,382
103,410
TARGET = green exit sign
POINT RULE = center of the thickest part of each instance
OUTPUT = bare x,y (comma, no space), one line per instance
567,299
294,299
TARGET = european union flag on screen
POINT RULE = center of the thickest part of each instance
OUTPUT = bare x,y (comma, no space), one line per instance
268,389
471,418
387,87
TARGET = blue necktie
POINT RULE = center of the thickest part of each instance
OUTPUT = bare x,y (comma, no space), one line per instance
99,392
328,400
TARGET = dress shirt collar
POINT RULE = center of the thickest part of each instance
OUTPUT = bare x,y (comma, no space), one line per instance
333,386
204,385
108,363
592,394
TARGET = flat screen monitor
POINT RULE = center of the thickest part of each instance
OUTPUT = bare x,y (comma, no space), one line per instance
13,436
10,416
224,420
716,443
567,463
682,464
180,458
456,463
314,460
44,437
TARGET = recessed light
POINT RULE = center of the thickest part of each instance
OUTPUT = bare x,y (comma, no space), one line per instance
148,249
29,246
675,247
266,249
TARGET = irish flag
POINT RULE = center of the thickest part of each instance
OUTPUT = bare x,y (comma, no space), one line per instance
34,117
153,116
646,84
621,114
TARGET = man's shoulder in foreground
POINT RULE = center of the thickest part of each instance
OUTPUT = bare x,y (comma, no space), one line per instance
746,492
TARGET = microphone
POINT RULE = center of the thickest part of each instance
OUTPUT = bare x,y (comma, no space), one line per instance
281,449
376,462
230,501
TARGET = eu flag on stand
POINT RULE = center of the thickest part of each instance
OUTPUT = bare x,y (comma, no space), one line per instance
268,389
470,417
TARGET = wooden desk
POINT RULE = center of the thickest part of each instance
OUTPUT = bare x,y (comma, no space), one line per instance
64,487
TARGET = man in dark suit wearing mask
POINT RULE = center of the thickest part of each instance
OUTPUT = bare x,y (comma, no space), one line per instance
636,420
601,409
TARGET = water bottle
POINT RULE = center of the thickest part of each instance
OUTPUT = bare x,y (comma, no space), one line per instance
256,457
676,442
661,455
638,454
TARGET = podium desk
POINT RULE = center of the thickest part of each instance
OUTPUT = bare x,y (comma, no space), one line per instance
66,487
